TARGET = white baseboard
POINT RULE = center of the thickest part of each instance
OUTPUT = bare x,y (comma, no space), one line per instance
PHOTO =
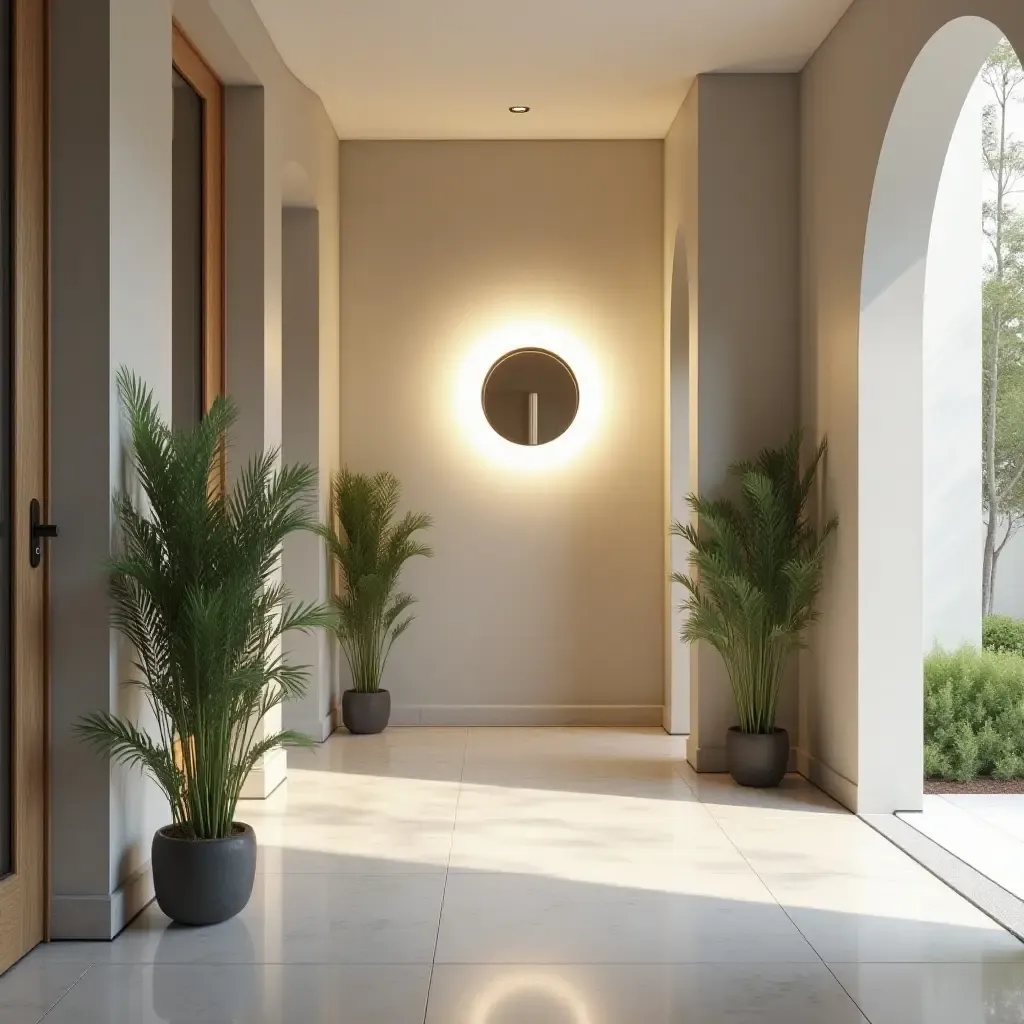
90,918
706,759
317,730
328,724
467,715
266,776
828,779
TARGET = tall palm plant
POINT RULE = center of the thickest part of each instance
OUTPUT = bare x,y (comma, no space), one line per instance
195,590
756,569
370,546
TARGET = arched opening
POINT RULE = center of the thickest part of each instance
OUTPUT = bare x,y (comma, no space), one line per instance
677,674
900,464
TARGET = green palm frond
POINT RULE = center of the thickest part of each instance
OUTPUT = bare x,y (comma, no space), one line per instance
194,590
756,570
369,547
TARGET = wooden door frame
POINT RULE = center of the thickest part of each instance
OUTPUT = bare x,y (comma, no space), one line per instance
190,65
24,891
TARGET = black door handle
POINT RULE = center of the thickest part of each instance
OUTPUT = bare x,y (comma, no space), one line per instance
37,531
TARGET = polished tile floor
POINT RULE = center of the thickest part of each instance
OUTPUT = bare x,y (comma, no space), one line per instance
559,876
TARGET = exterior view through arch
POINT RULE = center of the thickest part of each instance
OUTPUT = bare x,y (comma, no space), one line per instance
891,412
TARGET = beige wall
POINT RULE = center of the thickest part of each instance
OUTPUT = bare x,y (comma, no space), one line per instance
545,600
111,123
861,685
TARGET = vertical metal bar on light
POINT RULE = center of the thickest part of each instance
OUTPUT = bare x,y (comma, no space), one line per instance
533,414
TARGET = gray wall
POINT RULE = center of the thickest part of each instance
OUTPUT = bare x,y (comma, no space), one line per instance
111,125
305,569
545,601
735,368
111,289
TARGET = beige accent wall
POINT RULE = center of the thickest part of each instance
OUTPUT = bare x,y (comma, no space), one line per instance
545,601
856,711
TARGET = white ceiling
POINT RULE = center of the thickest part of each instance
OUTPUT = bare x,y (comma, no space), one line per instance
589,68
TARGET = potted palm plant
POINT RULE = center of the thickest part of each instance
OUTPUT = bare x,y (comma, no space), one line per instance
195,590
756,569
369,546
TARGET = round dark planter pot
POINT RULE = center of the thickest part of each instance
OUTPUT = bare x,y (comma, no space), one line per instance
203,881
757,760
365,713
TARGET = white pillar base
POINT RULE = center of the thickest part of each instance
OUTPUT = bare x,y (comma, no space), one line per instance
266,776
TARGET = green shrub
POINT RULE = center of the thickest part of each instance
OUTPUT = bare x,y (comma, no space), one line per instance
1002,633
973,715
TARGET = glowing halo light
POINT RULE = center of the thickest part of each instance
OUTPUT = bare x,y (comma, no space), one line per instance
549,985
485,352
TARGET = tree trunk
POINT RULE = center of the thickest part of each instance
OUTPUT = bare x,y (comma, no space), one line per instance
988,570
990,484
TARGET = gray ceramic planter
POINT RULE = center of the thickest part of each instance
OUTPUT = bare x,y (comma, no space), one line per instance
757,760
203,881
365,713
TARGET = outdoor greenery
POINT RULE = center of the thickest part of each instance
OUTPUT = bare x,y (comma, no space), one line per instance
973,715
195,590
1003,315
756,568
1002,633
369,547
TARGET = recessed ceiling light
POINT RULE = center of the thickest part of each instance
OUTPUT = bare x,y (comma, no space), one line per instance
518,110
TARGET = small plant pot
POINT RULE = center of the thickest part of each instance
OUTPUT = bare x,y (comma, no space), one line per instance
203,881
365,713
757,760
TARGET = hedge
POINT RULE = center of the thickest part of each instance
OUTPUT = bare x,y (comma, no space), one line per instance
973,714
1002,633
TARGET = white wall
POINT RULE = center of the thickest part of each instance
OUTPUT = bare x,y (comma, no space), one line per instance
952,395
111,124
545,601
861,685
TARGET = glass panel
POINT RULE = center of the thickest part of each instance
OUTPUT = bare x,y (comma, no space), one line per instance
6,434
187,256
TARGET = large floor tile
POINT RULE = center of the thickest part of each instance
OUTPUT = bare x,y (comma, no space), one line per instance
587,838
298,918
641,994
874,921
936,994
30,988
516,919
241,994
415,754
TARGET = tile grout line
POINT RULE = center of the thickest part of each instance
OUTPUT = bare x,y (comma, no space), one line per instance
447,869
767,888
64,993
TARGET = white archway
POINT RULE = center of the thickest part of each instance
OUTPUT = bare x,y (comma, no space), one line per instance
891,409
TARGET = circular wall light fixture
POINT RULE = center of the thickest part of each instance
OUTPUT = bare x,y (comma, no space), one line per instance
530,396
518,110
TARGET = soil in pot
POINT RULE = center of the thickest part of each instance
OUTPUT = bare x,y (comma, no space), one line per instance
365,713
203,881
757,760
